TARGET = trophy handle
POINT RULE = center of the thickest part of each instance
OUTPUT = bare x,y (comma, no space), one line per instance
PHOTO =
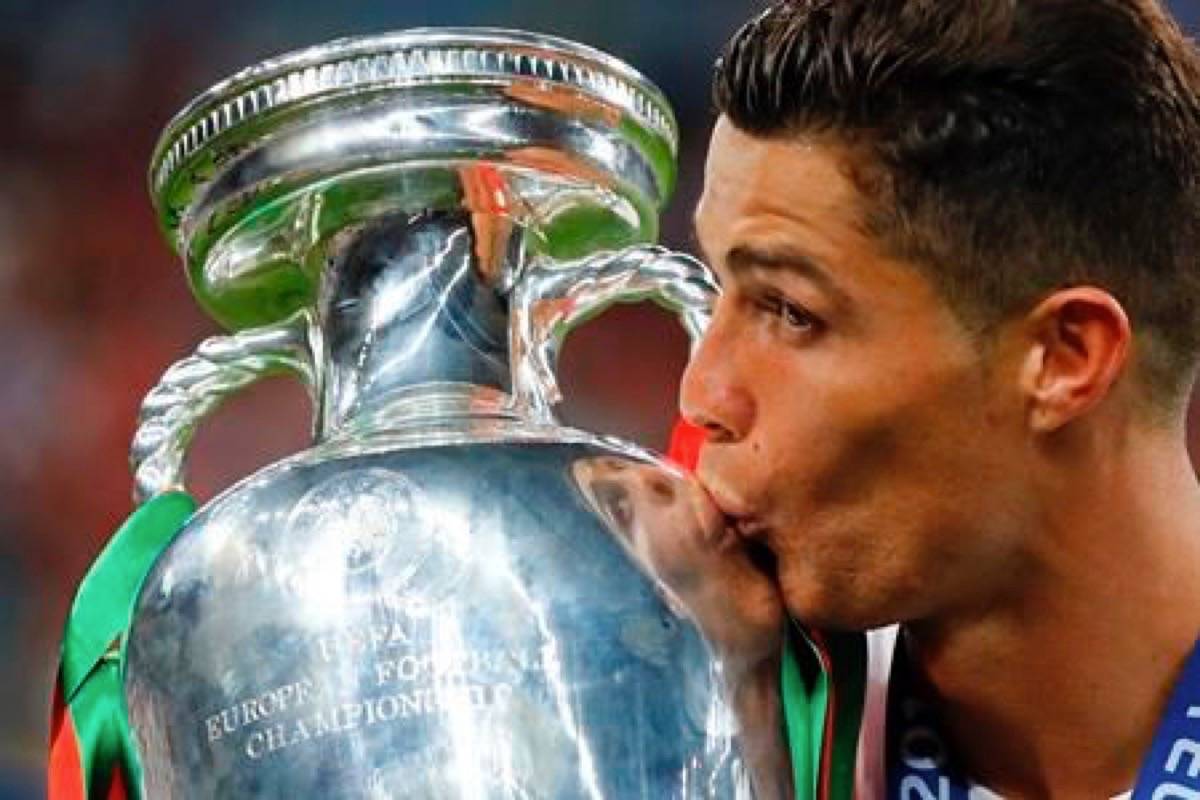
191,389
555,298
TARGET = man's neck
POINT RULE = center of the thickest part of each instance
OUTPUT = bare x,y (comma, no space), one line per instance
1057,691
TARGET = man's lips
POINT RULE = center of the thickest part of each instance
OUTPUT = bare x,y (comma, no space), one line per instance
755,536
752,530
742,519
738,515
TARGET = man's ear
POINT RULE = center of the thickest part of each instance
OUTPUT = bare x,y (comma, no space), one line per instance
1078,346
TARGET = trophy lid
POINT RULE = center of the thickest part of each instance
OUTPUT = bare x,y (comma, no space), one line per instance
261,144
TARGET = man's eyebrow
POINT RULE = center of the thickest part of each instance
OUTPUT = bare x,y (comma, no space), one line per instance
746,257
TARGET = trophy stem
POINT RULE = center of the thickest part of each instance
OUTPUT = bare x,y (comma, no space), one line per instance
415,321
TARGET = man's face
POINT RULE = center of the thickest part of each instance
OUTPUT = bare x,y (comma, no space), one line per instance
855,428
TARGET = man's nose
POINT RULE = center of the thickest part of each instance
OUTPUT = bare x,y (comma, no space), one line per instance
711,395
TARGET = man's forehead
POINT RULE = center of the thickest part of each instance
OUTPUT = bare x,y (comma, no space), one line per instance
778,182
786,202
734,155
779,174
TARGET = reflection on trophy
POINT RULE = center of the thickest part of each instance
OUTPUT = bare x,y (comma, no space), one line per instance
448,595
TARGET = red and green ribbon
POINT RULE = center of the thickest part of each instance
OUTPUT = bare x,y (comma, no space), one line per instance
92,755
823,683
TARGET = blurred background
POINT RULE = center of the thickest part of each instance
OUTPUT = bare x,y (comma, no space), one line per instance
93,306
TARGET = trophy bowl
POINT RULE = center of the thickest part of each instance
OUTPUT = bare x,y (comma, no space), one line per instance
449,594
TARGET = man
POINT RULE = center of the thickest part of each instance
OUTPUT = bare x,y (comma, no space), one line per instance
945,385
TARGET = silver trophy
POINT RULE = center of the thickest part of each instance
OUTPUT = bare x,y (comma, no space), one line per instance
449,595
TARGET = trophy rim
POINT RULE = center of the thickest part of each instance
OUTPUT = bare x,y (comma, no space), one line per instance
352,64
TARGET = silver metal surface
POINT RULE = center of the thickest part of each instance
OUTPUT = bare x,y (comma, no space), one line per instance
448,595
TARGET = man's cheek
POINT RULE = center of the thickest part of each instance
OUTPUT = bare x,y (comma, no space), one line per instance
854,457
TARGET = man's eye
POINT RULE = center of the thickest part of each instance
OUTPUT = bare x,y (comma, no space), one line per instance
789,314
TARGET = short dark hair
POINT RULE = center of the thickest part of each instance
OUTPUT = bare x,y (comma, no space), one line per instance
1013,146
